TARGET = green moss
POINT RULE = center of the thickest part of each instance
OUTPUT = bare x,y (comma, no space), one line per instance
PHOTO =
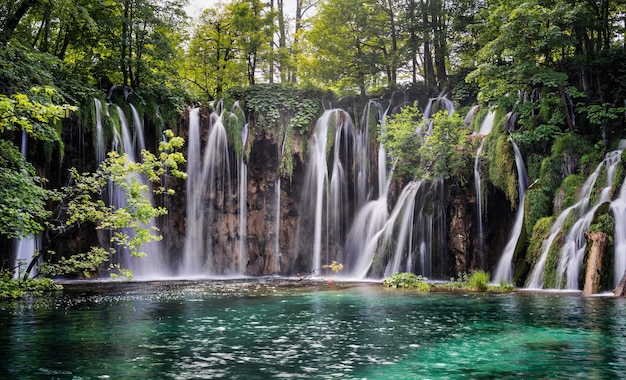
286,112
552,261
537,204
539,235
502,166
564,159
567,193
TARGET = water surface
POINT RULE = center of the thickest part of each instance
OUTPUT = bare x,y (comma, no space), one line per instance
263,329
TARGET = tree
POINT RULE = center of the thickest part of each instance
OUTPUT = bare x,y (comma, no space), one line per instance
24,199
347,51
424,149
212,62
128,223
230,46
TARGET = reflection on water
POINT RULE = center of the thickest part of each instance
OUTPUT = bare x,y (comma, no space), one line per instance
245,330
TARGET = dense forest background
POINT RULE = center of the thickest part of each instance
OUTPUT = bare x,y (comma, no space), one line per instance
556,68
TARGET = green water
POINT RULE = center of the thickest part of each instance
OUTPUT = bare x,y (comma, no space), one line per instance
261,330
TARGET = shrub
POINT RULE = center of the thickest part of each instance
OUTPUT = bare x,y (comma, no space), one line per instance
478,280
407,280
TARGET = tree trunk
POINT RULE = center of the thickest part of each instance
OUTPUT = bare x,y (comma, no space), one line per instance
429,71
282,41
593,274
620,290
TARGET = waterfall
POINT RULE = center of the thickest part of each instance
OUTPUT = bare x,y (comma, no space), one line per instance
277,221
536,276
574,244
153,265
573,249
243,200
25,247
208,192
441,103
618,206
485,128
504,270
99,138
326,197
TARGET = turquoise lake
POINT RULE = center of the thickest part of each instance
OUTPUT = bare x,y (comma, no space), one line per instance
262,329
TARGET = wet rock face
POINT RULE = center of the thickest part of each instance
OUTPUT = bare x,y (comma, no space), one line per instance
460,230
262,207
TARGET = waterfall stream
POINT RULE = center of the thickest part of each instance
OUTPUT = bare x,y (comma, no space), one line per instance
485,128
504,270
572,250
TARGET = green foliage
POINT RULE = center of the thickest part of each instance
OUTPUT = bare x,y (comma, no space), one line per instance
438,153
35,113
420,155
13,288
285,111
539,235
564,160
23,197
407,280
502,166
276,105
128,223
567,194
348,63
599,114
603,222
478,280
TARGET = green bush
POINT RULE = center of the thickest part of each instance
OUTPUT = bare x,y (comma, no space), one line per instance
407,280
12,288
478,280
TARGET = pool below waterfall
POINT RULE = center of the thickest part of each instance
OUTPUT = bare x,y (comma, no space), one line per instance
260,329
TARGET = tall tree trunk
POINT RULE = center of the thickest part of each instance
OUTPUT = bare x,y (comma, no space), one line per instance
429,71
413,40
272,50
282,40
393,73
440,40
124,44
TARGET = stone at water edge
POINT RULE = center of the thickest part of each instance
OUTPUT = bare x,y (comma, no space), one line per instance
620,289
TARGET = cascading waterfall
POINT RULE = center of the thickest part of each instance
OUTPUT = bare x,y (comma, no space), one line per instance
573,249
153,264
403,233
329,197
504,270
618,206
485,128
208,176
243,200
99,137
277,219
25,247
